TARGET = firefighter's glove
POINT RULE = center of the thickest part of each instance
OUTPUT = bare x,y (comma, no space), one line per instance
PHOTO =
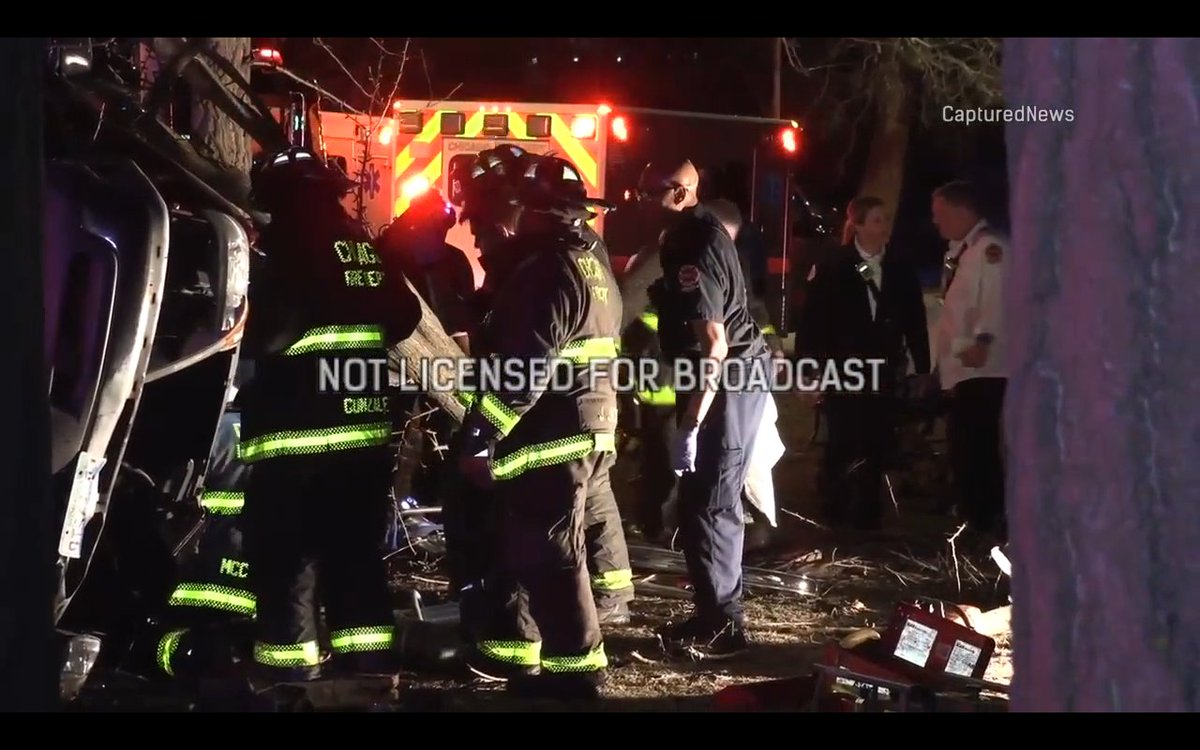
683,450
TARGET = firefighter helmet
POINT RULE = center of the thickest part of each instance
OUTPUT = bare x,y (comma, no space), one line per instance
550,182
490,182
293,169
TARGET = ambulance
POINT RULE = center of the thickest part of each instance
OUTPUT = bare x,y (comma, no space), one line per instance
420,145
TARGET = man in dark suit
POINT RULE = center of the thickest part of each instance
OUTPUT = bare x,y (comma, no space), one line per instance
865,303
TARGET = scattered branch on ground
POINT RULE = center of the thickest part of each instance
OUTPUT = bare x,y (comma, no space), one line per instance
954,556
805,520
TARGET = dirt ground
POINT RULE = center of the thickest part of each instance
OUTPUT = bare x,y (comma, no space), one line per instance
858,579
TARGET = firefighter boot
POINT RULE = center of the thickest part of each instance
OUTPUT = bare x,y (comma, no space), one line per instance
615,614
563,686
382,664
265,679
486,666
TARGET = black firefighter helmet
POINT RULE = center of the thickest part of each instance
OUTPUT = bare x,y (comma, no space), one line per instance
294,170
489,181
551,183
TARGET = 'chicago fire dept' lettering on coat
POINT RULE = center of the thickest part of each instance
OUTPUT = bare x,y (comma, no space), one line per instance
328,299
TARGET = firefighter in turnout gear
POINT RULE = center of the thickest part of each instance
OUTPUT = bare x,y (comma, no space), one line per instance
317,499
542,450
489,194
486,193
211,608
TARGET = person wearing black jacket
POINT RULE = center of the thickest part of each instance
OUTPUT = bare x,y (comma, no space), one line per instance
864,302
316,501
542,449
705,324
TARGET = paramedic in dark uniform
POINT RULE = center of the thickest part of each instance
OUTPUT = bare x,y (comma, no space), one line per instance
656,407
730,217
758,534
970,348
704,319
317,497
539,449
864,302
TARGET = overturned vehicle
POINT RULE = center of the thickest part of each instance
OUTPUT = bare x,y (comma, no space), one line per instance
146,280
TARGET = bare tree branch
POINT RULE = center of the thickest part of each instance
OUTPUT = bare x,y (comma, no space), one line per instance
340,102
323,45
956,71
380,90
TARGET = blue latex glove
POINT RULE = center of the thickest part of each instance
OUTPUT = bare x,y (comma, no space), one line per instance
683,450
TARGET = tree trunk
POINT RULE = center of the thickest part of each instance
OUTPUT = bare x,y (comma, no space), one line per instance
1101,413
28,663
884,176
212,131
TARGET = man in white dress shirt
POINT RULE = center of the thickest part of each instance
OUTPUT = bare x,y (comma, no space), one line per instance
969,346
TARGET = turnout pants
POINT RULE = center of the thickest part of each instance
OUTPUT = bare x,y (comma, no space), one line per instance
313,528
604,540
542,611
976,451
862,436
214,579
472,523
710,504
210,610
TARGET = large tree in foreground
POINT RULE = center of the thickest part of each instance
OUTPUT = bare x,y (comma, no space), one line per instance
1102,413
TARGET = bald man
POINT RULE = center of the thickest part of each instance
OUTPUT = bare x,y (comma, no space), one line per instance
704,321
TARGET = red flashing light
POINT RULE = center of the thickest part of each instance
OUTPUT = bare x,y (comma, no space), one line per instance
789,140
273,56
620,129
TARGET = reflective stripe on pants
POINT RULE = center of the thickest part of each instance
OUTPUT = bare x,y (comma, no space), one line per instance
359,640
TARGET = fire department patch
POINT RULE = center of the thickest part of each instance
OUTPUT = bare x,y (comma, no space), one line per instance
689,278
993,253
